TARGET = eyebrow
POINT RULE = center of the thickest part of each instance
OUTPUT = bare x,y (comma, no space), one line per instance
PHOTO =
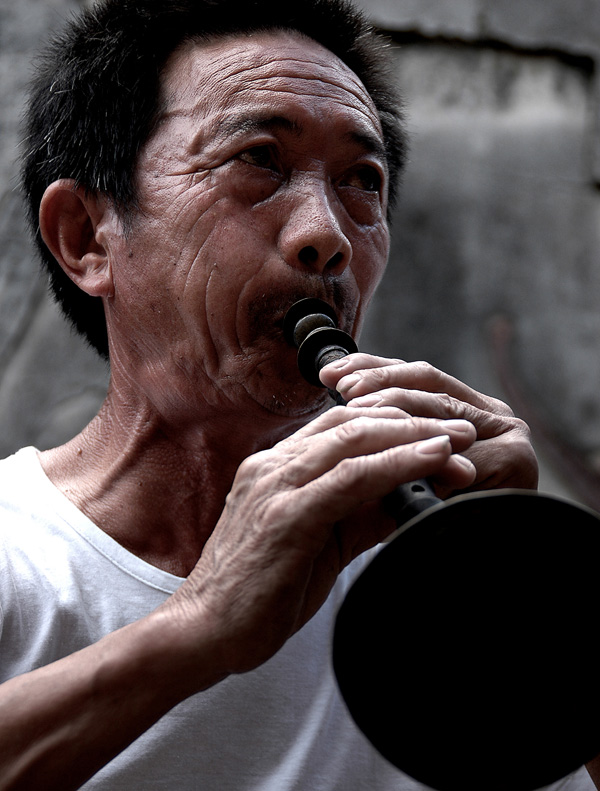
246,124
370,143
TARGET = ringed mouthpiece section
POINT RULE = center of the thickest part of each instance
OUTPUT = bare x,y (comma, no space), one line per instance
311,326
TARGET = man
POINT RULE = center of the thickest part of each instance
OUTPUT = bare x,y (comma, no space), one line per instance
171,574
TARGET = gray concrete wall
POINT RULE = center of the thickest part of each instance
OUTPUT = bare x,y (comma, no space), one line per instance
50,383
494,273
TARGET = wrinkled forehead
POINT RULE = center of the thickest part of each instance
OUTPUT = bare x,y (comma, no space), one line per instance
208,77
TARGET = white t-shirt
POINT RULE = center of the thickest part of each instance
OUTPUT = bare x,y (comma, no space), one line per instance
65,584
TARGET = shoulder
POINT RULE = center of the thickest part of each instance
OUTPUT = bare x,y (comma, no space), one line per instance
20,476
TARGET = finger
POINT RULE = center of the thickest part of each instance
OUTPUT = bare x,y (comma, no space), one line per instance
312,455
504,462
331,374
356,480
373,521
459,474
362,376
289,446
325,441
339,414
438,405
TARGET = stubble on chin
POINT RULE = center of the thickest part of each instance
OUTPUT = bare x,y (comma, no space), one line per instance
267,311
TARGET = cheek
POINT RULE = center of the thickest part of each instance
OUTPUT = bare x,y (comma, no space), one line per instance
368,267
364,208
370,258
176,208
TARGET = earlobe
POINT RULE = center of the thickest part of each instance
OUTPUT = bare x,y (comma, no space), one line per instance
70,221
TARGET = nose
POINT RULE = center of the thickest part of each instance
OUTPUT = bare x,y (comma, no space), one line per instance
312,237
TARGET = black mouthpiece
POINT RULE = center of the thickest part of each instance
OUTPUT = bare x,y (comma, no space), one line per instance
311,326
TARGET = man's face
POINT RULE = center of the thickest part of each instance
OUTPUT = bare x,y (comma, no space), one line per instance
265,182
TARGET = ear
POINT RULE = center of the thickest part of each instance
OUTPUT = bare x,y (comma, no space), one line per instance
71,223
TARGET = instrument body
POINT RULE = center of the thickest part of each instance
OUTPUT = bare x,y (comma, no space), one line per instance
467,651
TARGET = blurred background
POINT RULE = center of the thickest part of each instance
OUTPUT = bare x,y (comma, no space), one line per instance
494,273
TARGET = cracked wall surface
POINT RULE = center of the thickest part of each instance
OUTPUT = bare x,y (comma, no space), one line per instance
494,270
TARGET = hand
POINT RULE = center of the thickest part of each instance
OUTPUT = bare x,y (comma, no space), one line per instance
502,455
301,511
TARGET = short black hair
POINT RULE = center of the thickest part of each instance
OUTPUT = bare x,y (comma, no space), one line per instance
94,100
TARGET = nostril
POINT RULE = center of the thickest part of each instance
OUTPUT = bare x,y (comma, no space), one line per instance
308,255
335,260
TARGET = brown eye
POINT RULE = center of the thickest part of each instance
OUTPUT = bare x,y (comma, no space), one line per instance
259,156
363,178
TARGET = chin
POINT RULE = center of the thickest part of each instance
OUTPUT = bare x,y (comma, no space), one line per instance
296,400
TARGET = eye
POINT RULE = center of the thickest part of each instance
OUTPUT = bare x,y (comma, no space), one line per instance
364,177
259,156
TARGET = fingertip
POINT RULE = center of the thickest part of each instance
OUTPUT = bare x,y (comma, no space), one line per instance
464,470
460,426
372,399
465,463
331,373
463,433
434,445
337,365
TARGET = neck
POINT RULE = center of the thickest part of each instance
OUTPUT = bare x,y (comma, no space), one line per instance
158,490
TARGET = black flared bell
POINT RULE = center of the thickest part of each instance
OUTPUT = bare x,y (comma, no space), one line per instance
467,650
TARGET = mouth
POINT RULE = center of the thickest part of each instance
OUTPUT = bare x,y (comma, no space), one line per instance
305,316
268,311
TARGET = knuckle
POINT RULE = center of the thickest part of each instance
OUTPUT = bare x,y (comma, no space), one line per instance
521,428
520,446
348,471
500,408
251,465
522,458
380,376
450,407
355,430
428,371
337,414
511,429
257,469
333,417
275,511
417,426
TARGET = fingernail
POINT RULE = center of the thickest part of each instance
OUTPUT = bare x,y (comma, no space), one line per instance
458,425
433,445
464,462
338,364
347,382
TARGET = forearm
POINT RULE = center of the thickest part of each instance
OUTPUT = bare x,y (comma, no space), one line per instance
61,723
